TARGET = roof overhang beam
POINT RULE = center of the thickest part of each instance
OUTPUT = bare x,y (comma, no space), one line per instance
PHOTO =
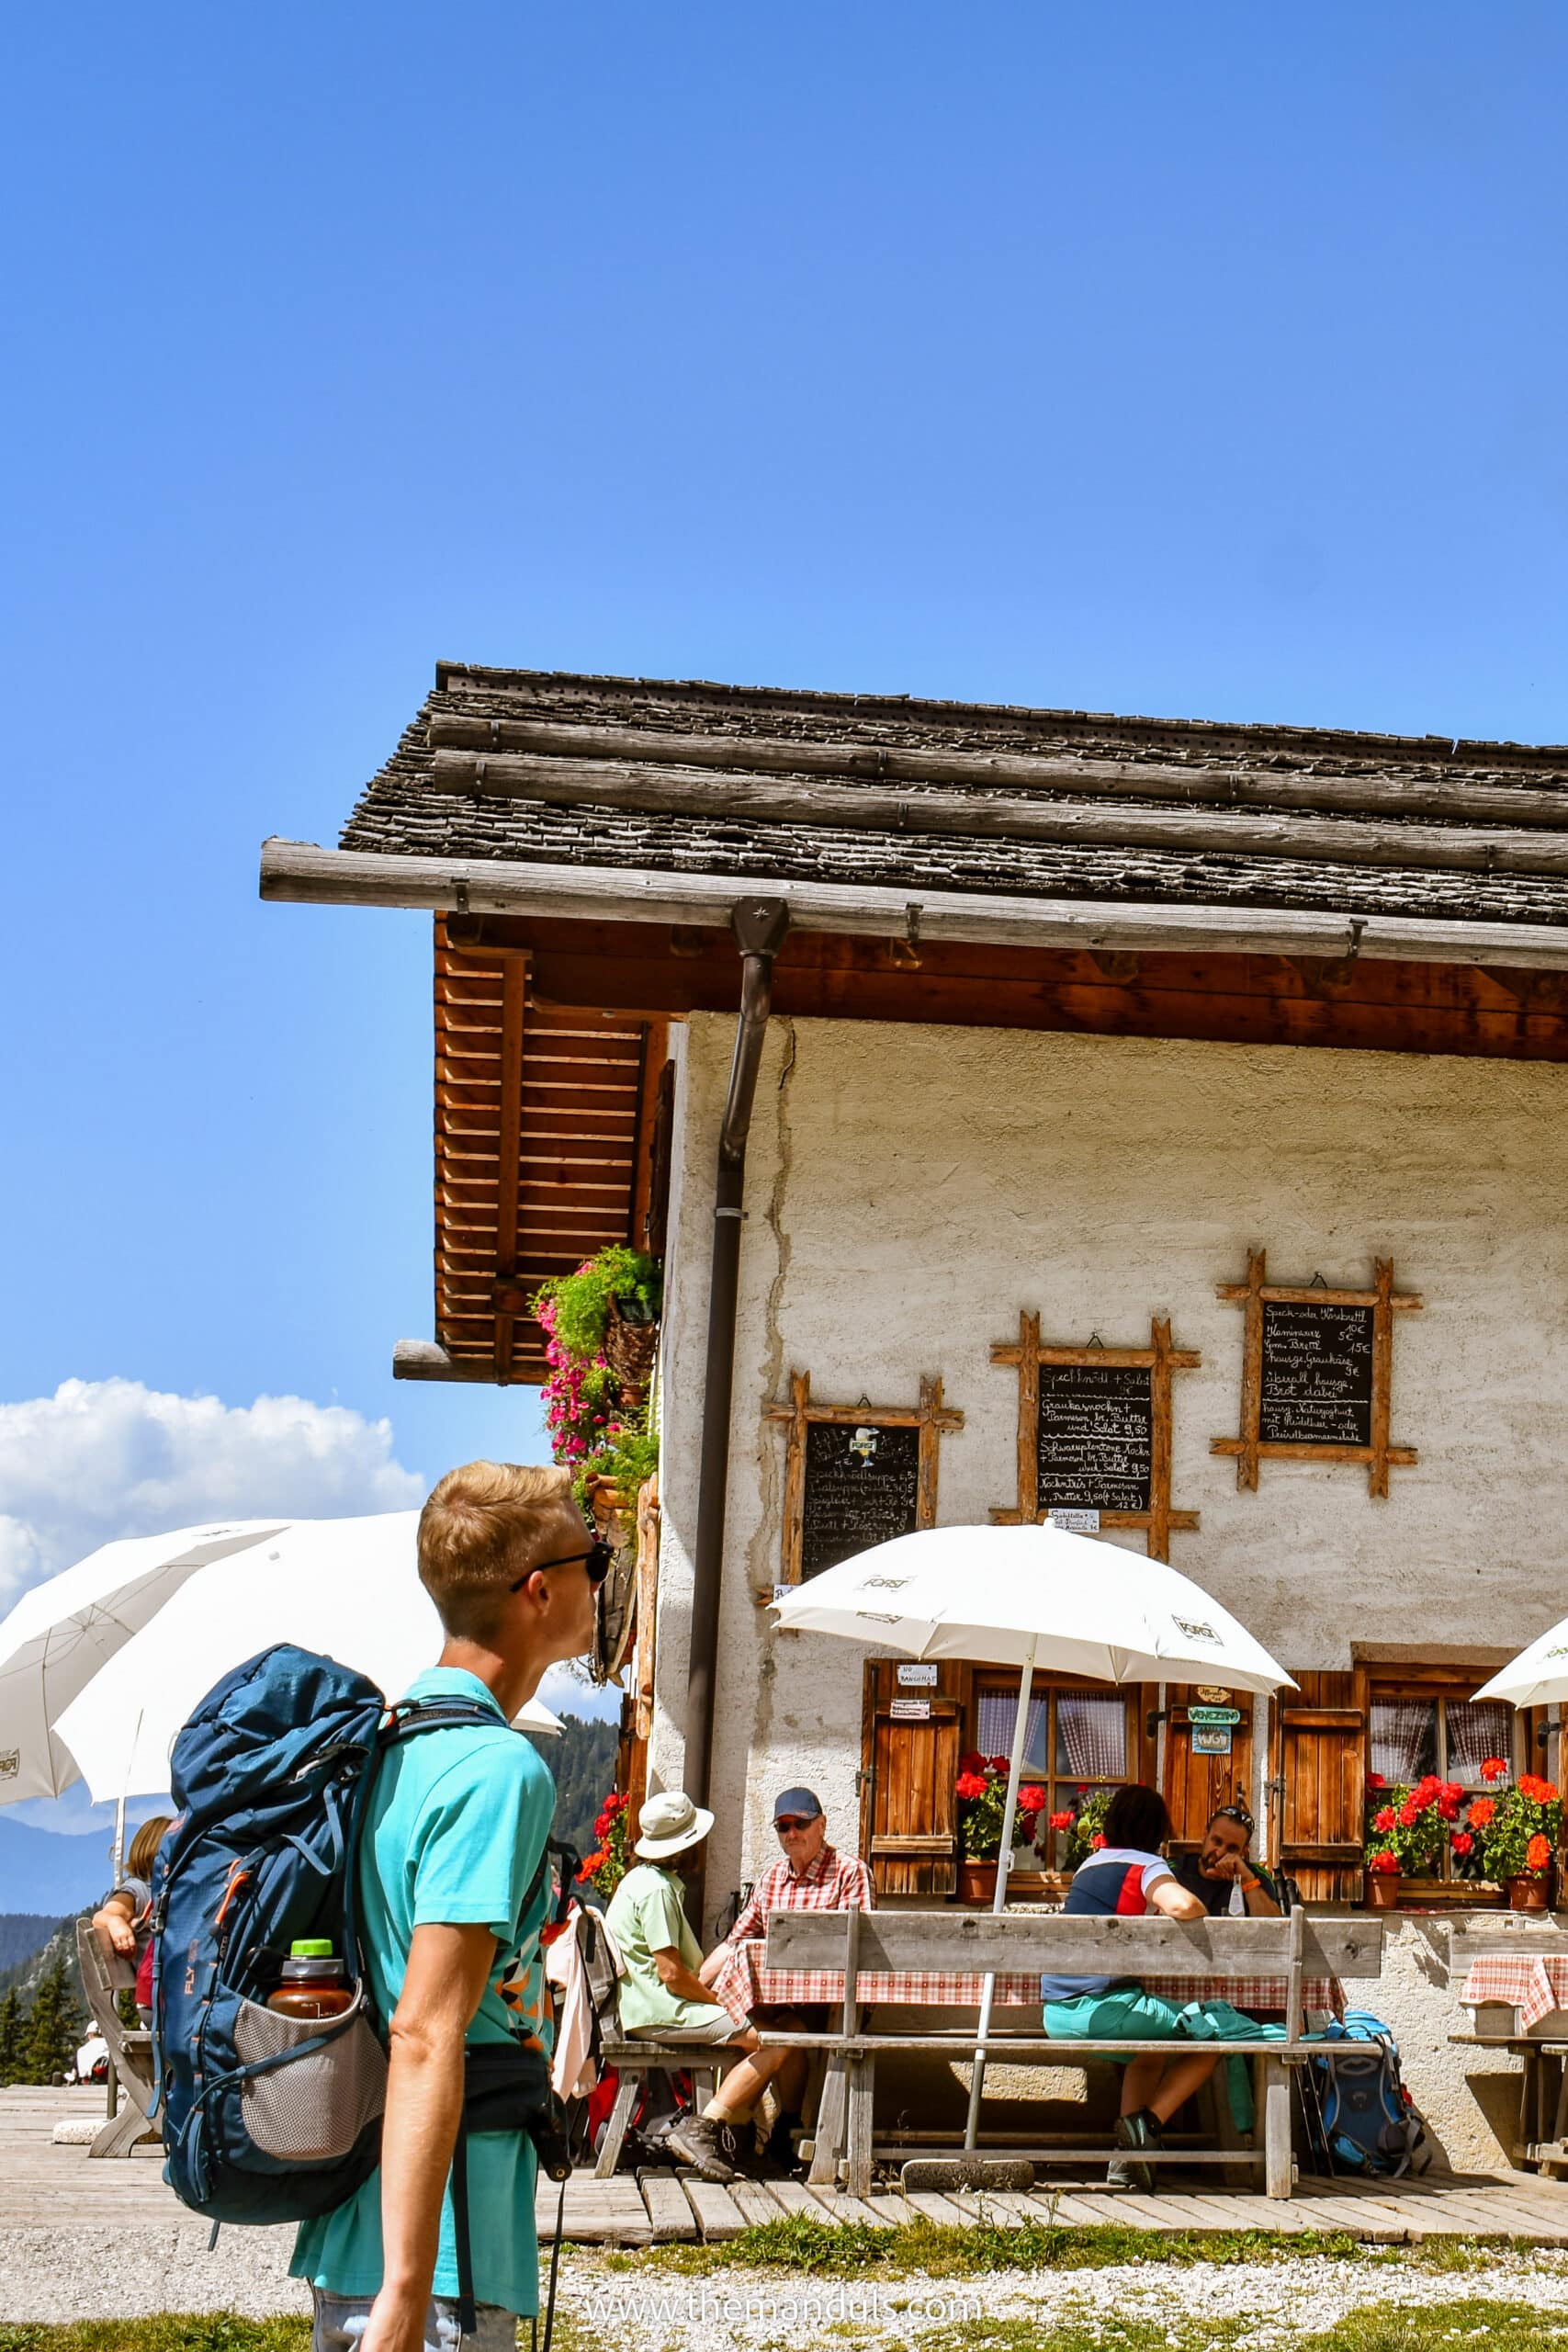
303,874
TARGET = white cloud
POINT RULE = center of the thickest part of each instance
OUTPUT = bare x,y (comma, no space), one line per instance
105,1458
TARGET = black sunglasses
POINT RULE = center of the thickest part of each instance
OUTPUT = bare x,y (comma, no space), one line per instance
1236,1812
792,1821
596,1560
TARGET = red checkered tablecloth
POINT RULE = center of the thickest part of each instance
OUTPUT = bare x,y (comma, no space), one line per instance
744,1984
1534,1983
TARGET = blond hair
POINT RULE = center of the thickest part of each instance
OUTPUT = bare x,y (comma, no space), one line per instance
472,1531
146,1844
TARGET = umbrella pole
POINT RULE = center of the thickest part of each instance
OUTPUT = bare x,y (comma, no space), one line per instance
999,1902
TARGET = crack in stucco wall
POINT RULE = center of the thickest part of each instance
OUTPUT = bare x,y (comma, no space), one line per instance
760,1567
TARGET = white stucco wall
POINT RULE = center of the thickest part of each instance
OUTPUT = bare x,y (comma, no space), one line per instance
909,1190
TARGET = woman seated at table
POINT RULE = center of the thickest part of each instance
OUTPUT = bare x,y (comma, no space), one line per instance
1125,1878
660,1997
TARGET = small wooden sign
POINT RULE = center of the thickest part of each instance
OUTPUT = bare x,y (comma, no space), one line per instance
1317,1371
856,1475
1094,1431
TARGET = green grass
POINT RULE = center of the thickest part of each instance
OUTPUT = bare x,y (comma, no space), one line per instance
1440,2327
826,2249
205,2332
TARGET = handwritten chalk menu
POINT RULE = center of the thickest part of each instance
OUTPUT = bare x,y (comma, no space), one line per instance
1316,1372
1094,1431
1095,1437
861,1488
1316,1385
856,1475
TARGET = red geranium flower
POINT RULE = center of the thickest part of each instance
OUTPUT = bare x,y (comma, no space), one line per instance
1463,1842
1383,1863
971,1760
1376,1780
1494,1768
1383,1822
1032,1799
970,1785
1000,1763
1409,1813
1060,1821
1538,1853
1481,1811
1099,1839
1540,1792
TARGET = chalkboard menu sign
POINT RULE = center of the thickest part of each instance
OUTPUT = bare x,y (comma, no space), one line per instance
1095,1445
1316,1372
1094,1431
856,1475
861,1488
1316,1375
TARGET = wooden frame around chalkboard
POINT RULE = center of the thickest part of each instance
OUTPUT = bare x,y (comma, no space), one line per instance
1385,1302
930,1417
1161,1359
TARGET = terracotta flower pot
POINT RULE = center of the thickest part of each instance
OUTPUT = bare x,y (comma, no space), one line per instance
1382,1890
976,1881
1528,1891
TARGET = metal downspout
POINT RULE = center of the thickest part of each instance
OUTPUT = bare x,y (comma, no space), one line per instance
759,925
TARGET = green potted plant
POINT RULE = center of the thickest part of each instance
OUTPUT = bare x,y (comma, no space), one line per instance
1516,1834
598,1407
1405,1830
981,1789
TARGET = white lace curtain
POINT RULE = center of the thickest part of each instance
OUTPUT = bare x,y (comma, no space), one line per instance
1091,1732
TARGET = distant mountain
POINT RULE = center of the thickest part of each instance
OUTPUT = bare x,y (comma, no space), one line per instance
23,1933
42,1871
582,1761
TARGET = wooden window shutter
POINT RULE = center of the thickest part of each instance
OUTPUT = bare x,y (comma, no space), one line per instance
908,1809
1321,1764
1194,1787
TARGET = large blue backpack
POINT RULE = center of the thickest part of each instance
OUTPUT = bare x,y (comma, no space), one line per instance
268,2117
1361,2119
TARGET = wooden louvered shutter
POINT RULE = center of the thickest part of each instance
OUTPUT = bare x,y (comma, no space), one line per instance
1321,1763
1194,1787
908,1766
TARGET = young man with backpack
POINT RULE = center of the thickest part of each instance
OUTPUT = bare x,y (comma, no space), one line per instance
451,1899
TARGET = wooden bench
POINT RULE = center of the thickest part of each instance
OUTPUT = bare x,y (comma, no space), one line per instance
632,2061
857,1944
104,1975
1544,2057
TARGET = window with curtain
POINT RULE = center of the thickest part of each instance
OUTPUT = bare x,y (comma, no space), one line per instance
1073,1740
1439,1732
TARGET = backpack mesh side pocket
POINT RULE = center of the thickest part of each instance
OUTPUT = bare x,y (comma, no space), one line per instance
313,2109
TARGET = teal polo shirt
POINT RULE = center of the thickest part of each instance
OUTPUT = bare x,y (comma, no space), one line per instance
453,1829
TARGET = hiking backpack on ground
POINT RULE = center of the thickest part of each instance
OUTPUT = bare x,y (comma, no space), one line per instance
1360,2120
268,2117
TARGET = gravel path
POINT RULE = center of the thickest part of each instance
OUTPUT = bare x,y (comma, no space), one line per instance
130,2273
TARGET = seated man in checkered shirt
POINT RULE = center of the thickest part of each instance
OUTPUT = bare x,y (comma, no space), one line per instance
810,1875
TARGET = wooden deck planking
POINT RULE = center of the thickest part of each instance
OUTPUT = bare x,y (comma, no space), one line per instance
42,2185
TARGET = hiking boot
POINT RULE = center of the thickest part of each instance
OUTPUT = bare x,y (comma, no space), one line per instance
1137,2130
694,2142
778,2149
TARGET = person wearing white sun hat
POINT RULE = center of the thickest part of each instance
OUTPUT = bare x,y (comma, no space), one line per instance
660,1996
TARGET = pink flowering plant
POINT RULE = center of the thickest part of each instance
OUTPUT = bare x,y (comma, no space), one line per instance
593,1432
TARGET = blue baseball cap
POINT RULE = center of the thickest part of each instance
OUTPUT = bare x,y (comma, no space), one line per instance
801,1801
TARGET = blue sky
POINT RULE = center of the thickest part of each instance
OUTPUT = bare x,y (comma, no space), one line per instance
1194,361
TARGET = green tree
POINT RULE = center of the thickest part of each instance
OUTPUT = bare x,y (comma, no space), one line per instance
13,2035
54,2026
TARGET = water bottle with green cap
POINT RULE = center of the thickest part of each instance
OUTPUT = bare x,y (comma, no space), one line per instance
312,1985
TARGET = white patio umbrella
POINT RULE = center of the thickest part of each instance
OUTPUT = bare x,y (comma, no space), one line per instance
1539,1676
1030,1596
59,1635
347,1587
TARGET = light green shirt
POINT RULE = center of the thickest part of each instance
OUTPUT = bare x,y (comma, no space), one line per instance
453,1829
644,1917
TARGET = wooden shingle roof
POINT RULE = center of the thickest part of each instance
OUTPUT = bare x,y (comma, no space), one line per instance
543,768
